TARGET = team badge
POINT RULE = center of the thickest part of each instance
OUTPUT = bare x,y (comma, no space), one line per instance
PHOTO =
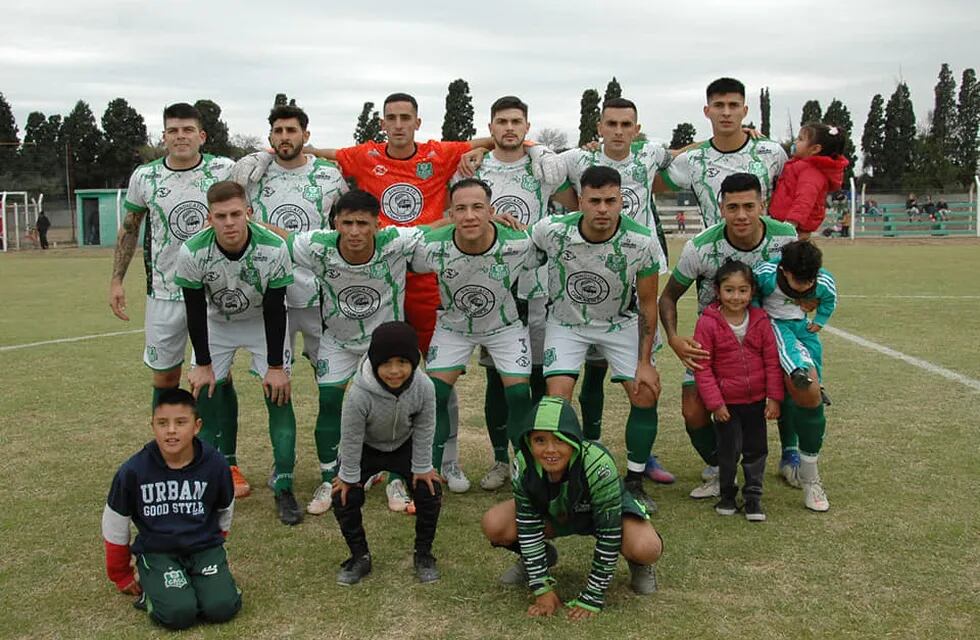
423,170
379,270
358,302
312,193
499,272
250,275
230,301
290,217
631,202
206,182
174,579
474,301
640,173
187,218
151,353
615,262
513,206
322,368
432,353
530,183
757,168
549,357
585,287
402,202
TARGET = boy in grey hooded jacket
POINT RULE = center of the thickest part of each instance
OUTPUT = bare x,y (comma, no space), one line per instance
387,424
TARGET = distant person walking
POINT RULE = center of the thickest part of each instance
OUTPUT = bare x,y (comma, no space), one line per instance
42,225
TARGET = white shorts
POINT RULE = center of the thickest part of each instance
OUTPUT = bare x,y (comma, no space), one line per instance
336,364
565,350
308,322
225,338
536,315
165,331
510,350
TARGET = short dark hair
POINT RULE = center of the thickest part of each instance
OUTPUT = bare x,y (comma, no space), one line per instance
182,111
739,182
226,190
357,200
829,137
730,268
176,396
401,97
508,102
802,259
597,177
287,111
725,85
619,103
471,182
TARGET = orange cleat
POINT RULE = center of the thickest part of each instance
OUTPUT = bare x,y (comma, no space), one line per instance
242,487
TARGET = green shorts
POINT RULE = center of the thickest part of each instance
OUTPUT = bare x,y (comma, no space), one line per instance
180,588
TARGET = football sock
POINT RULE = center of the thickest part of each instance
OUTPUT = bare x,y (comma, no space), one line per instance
282,433
228,441
704,443
442,421
591,397
518,408
641,432
212,413
495,412
811,425
327,431
538,386
788,439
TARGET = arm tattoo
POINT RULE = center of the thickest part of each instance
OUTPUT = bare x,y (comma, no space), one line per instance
126,244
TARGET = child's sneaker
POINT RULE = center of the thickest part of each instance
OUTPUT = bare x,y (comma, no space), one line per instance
353,570
322,499
710,489
456,480
753,510
800,378
726,507
643,578
425,568
377,478
635,488
287,508
814,497
657,473
398,499
516,575
496,477
242,488
789,467
709,472
140,602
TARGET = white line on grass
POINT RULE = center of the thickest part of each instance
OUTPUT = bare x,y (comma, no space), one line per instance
14,347
910,297
912,360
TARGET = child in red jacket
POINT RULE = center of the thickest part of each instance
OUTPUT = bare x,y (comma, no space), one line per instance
817,166
740,383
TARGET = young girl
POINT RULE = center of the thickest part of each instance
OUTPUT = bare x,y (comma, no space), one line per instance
817,166
741,383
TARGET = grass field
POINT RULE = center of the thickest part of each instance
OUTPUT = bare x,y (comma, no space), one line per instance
898,555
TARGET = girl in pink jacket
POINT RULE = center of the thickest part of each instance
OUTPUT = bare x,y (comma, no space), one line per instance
741,383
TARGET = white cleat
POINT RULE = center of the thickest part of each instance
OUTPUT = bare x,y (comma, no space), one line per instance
322,499
710,489
498,474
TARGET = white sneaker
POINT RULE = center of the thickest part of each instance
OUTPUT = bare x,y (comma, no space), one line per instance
456,480
709,472
375,479
710,489
398,499
498,474
322,499
814,497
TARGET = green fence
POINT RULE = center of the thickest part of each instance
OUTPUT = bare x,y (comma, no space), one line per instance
893,221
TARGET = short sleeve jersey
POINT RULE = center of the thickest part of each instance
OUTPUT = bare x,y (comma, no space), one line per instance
176,204
298,200
780,306
477,292
235,288
703,168
517,192
357,297
411,191
593,283
705,252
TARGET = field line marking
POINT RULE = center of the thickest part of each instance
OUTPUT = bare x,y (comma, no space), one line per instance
912,360
909,297
14,347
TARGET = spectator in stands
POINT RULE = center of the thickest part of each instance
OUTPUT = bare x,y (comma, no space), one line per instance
845,225
871,209
42,226
681,222
942,209
912,207
930,209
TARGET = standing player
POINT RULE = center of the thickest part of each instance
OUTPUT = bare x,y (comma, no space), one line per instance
234,276
744,234
596,260
172,191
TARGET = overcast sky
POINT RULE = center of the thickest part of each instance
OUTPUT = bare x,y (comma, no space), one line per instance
332,56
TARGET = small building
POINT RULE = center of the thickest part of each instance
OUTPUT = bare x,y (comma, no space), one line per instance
98,214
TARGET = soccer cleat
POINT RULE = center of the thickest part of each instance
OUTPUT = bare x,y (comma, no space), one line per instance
242,488
496,477
726,507
643,578
322,499
709,472
635,487
814,497
353,570
425,567
456,480
657,473
398,499
516,575
824,397
753,510
800,378
287,508
140,602
377,478
710,489
789,467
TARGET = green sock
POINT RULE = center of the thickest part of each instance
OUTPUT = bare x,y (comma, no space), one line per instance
157,391
641,432
518,408
704,442
442,421
282,432
495,412
229,424
538,386
327,431
591,397
811,424
788,439
212,412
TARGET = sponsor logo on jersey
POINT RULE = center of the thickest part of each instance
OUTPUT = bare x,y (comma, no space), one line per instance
585,287
631,203
312,192
230,302
499,272
402,202
290,217
267,191
174,579
712,172
374,153
514,206
450,273
474,300
615,262
162,192
211,276
523,361
187,218
333,274
567,255
210,570
358,302
604,472
423,170
762,150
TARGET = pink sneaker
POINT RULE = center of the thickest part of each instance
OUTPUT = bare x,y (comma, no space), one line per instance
657,473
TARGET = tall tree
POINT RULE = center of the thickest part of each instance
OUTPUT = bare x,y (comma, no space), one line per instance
839,116
588,124
942,130
682,136
967,123
873,139
765,108
899,146
41,164
217,142
125,133
84,141
613,90
369,125
811,112
458,123
8,137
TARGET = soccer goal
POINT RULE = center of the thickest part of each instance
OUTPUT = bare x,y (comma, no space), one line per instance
18,218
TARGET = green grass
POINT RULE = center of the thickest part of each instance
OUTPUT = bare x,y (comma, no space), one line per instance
896,557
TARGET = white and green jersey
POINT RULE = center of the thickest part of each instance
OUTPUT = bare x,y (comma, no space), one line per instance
477,292
705,252
298,200
517,192
593,283
357,297
234,288
176,204
703,168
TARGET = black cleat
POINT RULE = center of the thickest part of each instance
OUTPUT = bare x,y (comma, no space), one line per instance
425,568
353,570
289,511
635,487
800,378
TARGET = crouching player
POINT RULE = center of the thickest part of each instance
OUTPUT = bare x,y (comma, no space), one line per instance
566,485
178,492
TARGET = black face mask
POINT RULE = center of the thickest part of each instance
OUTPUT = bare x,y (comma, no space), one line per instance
790,291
